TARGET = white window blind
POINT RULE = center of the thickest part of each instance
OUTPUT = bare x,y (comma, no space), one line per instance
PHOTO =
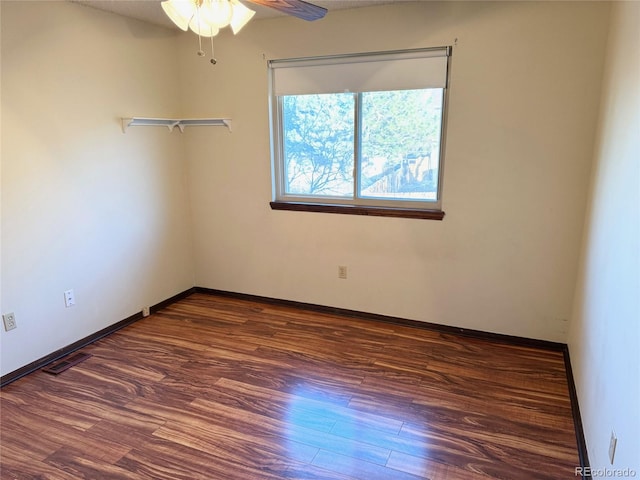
370,72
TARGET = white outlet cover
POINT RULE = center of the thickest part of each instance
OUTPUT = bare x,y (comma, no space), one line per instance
9,320
69,298
342,271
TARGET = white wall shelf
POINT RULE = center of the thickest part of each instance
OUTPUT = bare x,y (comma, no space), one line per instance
171,123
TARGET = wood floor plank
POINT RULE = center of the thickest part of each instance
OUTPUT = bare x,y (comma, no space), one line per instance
365,470
175,462
312,472
30,444
20,465
75,461
214,387
424,468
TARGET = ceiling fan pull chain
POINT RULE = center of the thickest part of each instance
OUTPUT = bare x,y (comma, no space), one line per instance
213,57
200,51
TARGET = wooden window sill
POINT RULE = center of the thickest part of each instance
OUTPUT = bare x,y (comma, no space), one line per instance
360,210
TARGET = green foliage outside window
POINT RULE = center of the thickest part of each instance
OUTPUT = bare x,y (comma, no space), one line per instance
394,154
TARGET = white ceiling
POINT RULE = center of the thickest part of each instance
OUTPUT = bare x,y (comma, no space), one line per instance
150,10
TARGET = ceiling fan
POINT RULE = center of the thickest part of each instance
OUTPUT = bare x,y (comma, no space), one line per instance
206,17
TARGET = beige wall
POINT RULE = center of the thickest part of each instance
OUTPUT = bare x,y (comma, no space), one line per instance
604,340
523,105
84,206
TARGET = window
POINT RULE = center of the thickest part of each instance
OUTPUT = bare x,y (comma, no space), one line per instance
360,133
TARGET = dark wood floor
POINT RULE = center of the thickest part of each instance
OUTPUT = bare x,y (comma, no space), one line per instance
220,388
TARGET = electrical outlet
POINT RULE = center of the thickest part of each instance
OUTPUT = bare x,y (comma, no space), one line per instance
146,311
612,446
9,320
342,272
69,298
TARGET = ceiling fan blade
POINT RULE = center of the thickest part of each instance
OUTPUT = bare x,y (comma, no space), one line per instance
297,8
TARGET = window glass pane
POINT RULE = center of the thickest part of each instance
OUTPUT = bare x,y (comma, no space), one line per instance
400,145
318,135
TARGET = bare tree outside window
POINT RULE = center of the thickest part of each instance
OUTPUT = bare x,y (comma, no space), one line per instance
318,144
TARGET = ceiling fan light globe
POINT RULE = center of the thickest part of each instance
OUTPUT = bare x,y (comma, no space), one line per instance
202,28
179,11
241,16
217,13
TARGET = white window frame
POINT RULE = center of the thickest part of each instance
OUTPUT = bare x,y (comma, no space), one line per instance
355,73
